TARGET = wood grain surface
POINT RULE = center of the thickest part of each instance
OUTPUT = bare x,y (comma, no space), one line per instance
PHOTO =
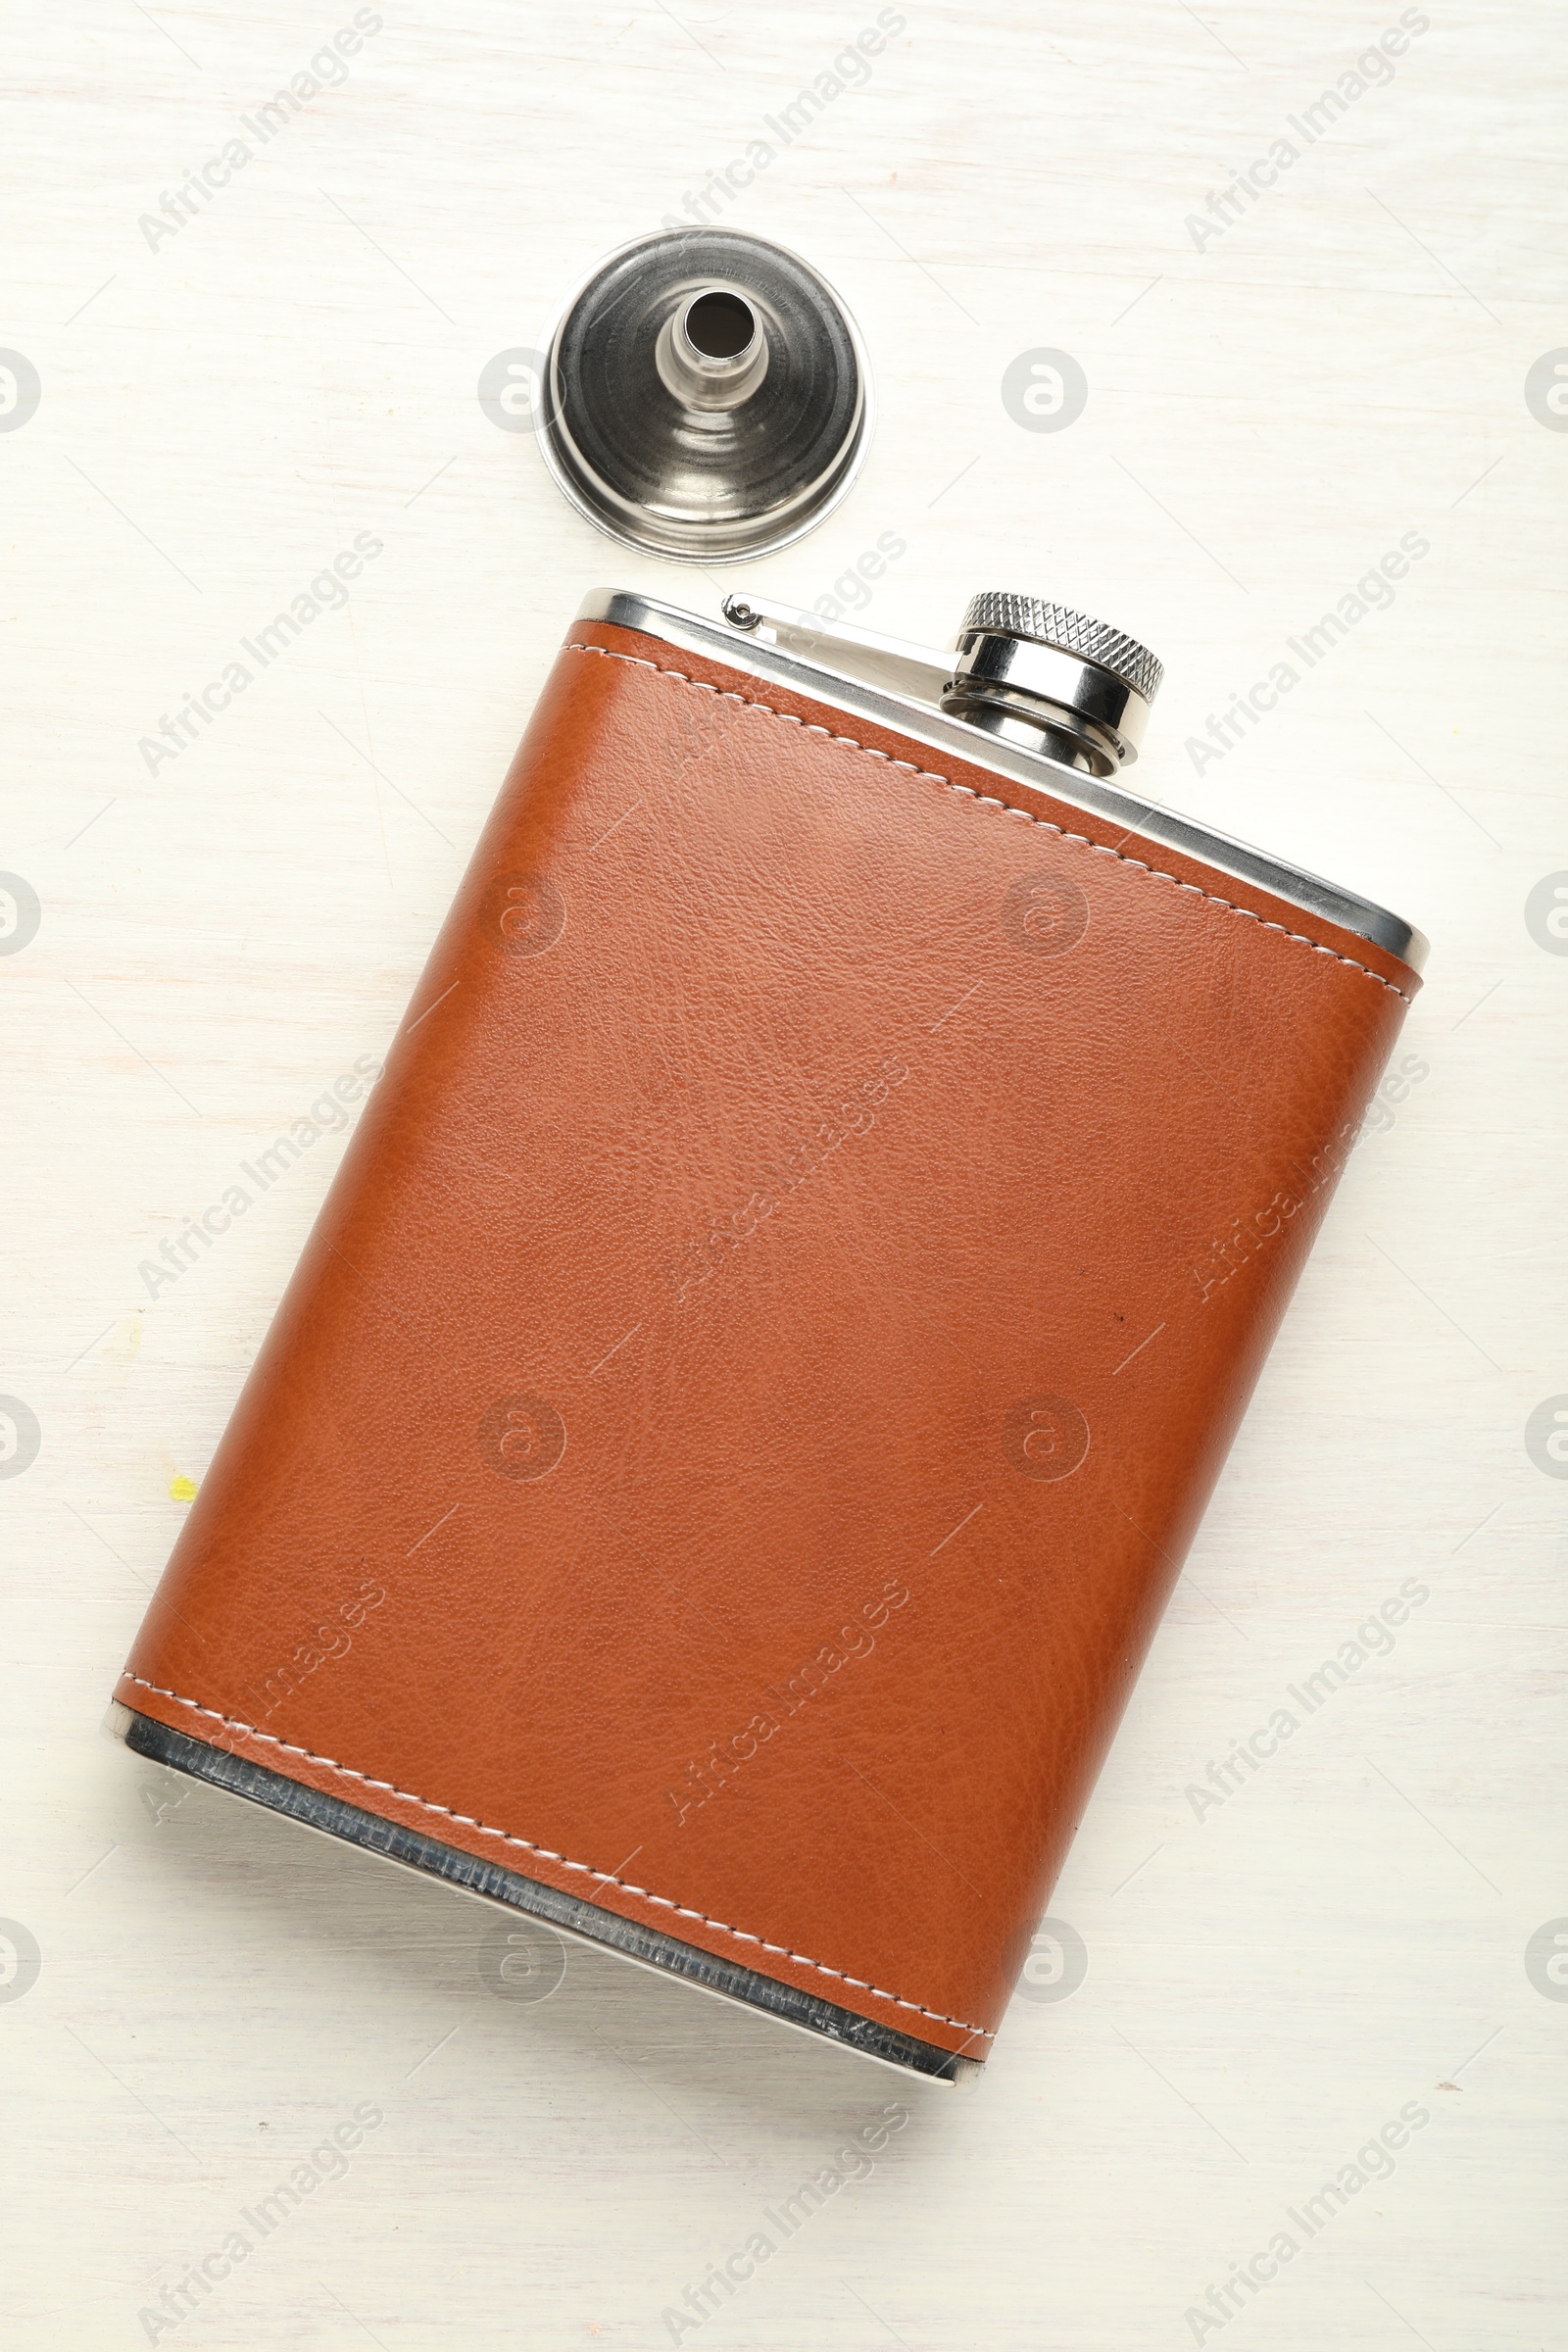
1325,1999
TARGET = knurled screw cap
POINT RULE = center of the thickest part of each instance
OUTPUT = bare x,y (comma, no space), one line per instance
1004,614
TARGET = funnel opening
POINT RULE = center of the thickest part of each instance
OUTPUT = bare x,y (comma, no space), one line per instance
721,325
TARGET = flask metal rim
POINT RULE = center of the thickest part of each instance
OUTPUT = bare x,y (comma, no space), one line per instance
895,684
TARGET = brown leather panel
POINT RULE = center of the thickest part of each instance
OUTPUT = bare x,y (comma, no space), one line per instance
763,1204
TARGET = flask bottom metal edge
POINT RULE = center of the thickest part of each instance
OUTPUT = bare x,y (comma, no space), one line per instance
567,1915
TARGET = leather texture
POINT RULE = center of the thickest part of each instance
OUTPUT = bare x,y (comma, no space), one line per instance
772,1335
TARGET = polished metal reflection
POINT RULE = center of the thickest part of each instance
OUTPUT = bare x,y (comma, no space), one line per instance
712,352
707,396
1053,680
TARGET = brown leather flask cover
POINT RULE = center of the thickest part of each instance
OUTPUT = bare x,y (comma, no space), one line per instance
721,1458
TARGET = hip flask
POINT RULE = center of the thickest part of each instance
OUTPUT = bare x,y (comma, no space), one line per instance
780,1316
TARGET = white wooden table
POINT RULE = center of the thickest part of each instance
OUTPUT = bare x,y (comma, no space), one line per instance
1280,389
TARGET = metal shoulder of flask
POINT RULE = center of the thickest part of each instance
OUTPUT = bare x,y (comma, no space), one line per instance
1038,692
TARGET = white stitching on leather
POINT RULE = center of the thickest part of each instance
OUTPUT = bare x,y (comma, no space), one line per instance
547,1854
987,801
